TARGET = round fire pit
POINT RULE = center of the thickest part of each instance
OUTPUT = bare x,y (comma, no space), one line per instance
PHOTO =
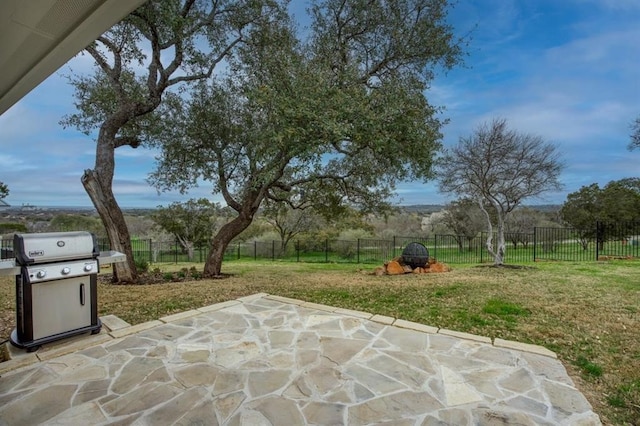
415,255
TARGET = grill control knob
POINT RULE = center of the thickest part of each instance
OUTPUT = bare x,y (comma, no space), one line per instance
88,268
41,274
66,271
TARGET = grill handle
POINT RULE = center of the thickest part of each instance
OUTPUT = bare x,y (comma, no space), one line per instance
82,294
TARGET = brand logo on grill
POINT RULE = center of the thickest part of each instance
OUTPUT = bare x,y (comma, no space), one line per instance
35,253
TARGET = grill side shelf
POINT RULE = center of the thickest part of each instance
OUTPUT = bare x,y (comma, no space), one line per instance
8,267
111,256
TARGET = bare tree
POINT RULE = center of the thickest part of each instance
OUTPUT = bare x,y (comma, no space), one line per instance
499,168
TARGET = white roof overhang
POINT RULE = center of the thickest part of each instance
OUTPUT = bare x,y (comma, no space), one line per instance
39,36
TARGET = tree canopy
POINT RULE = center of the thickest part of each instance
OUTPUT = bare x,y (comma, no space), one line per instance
289,222
76,222
499,168
617,202
465,219
334,121
635,134
4,191
163,45
192,223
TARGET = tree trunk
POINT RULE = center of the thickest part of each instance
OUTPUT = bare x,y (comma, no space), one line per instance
489,243
499,256
190,251
220,242
105,203
187,246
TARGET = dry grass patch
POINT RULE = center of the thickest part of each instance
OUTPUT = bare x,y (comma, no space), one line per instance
588,312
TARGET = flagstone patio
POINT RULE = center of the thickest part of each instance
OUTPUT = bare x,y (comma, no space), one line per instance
268,360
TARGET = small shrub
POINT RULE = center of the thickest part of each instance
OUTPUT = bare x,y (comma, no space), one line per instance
142,265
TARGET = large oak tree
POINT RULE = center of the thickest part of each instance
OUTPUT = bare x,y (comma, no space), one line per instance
164,44
334,120
499,168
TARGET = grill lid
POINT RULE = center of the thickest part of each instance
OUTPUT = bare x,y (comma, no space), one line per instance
47,247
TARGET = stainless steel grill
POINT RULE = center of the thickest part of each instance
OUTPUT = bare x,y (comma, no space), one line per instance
56,286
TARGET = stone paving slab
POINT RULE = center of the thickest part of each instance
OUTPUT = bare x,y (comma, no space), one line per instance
265,360
112,322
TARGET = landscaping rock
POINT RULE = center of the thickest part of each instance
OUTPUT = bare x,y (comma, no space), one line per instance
398,267
437,267
394,268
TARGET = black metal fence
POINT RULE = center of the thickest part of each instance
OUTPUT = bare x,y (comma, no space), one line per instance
604,240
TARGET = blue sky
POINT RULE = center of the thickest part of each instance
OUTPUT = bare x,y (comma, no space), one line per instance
566,70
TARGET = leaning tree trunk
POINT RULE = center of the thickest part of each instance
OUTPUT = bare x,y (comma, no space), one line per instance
220,242
105,203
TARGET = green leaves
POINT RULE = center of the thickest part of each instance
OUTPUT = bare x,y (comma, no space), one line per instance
341,116
618,201
4,191
193,221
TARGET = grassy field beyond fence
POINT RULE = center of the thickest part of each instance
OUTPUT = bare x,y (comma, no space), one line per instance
543,245
587,312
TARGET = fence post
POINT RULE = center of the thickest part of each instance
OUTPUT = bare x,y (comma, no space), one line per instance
435,246
273,249
238,250
482,240
326,250
358,251
597,240
298,250
535,241
255,250
150,250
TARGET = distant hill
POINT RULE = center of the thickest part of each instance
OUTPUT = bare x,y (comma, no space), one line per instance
423,208
432,208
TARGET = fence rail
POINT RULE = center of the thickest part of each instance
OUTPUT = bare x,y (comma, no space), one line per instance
605,240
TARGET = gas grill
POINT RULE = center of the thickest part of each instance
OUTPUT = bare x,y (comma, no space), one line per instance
56,286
